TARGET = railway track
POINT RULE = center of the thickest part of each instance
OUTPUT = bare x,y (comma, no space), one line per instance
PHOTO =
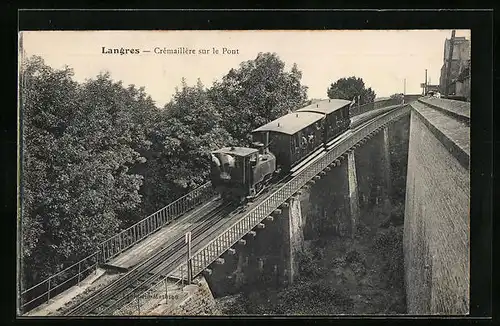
156,275
153,270
142,275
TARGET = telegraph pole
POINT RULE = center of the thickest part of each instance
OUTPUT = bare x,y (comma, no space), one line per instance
404,90
425,84
189,265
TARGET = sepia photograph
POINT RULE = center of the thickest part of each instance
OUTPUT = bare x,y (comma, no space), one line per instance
244,173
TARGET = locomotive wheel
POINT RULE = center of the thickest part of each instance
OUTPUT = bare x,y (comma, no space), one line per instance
258,187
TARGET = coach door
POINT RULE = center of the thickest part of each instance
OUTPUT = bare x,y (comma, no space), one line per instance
294,147
304,144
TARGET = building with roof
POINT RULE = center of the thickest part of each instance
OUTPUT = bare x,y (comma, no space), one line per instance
460,60
462,83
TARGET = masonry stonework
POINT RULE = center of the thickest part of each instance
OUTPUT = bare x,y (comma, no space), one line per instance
328,208
197,300
267,258
374,184
353,192
436,230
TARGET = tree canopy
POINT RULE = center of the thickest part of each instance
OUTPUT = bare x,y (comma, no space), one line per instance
79,141
350,88
98,156
399,96
257,92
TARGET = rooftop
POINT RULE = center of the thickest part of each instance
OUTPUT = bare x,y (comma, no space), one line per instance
325,106
238,151
291,123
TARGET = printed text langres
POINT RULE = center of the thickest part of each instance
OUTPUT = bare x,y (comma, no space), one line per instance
170,51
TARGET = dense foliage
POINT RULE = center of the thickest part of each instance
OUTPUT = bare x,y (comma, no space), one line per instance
389,243
79,141
99,155
257,92
350,88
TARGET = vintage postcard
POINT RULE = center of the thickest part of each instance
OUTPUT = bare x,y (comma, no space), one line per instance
167,173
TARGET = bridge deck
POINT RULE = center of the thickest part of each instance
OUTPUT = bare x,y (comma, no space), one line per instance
357,119
171,233
178,228
454,134
160,239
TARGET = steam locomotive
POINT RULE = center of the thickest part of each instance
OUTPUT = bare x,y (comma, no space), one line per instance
277,147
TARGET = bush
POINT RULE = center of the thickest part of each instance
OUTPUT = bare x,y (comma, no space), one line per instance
389,244
362,230
354,256
309,266
320,296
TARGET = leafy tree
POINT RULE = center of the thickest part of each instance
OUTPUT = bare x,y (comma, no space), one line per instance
257,92
99,155
186,130
79,142
349,88
47,97
397,96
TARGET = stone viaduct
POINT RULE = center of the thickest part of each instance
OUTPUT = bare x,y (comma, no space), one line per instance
421,160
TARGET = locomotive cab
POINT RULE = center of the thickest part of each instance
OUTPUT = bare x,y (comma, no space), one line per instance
238,172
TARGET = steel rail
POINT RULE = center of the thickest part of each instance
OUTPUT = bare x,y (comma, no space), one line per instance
207,255
130,236
120,242
102,296
175,260
163,270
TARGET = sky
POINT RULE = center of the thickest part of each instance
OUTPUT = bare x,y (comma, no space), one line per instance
383,58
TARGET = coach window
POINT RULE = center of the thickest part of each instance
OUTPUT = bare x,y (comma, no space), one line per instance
253,159
294,143
318,125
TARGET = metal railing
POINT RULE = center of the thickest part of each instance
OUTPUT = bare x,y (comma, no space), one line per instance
411,97
130,236
71,275
214,249
207,255
357,110
144,301
115,245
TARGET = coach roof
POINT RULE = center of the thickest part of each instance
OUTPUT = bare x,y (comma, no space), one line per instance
325,106
291,123
238,151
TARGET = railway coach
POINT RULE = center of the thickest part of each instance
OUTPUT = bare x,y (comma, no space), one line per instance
278,148
291,137
337,116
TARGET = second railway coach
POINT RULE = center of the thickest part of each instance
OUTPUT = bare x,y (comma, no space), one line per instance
337,116
291,137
